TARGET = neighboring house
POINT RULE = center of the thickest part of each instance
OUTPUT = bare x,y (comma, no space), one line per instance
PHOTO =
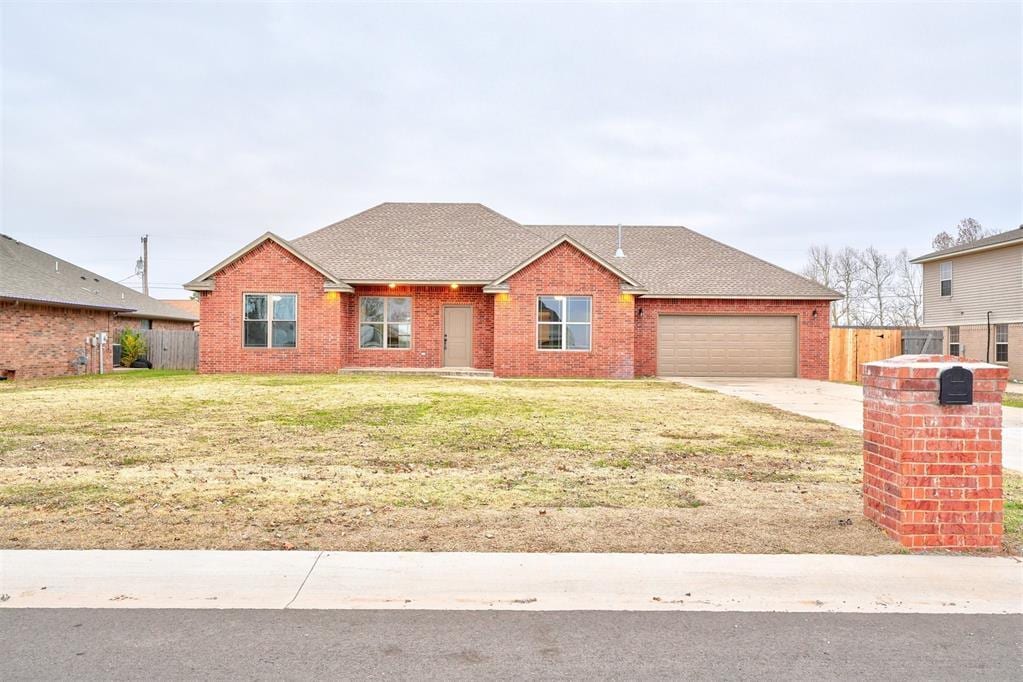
432,285
52,310
965,283
459,285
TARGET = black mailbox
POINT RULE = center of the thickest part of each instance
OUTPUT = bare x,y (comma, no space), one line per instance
956,386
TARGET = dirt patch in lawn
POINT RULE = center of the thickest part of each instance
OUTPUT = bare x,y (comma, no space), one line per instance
419,463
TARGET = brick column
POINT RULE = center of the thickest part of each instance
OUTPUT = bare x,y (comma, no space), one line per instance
932,474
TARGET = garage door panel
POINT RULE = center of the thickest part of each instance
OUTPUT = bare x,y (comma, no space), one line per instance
726,345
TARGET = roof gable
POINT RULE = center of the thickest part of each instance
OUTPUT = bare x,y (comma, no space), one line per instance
204,282
499,283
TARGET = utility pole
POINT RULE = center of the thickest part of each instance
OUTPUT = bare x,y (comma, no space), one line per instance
145,264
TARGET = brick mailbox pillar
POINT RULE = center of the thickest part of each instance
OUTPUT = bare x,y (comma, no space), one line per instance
932,473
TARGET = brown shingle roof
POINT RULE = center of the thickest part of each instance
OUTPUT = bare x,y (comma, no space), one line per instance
675,261
426,242
409,242
994,241
28,274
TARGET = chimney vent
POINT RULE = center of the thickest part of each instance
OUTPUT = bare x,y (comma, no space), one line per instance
618,252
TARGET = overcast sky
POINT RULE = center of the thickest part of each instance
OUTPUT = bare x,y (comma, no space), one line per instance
767,127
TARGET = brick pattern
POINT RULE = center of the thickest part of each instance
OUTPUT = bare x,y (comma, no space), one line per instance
932,474
39,341
813,331
564,271
268,268
427,327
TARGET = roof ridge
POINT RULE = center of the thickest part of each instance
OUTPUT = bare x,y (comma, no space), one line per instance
993,240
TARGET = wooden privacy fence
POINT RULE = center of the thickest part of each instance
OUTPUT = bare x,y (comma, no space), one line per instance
171,349
852,346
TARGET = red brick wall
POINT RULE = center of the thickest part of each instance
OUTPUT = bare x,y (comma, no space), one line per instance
813,332
564,271
932,474
42,341
269,269
427,327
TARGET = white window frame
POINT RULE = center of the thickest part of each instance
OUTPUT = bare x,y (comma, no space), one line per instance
385,323
942,279
999,328
564,324
269,319
958,346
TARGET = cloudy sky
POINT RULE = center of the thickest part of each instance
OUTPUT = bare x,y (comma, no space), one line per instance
768,127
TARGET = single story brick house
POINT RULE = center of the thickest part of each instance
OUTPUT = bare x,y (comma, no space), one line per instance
51,311
425,285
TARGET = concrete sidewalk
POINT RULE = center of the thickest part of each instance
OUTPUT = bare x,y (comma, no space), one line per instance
533,582
840,404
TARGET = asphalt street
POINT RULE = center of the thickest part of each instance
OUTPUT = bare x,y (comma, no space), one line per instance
256,644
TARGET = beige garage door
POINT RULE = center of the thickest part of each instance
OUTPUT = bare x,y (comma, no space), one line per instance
726,346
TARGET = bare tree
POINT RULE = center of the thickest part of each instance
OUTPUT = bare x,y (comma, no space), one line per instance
876,278
820,268
909,292
968,230
847,282
943,240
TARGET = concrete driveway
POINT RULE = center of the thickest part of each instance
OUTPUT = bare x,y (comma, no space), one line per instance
840,404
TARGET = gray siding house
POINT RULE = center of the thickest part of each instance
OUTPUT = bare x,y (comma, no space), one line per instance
974,293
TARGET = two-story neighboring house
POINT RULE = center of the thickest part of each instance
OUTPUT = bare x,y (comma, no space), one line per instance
974,293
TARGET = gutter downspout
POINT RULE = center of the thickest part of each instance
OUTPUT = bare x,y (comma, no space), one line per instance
988,360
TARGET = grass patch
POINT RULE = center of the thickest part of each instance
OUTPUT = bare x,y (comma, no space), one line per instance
59,495
1012,400
371,462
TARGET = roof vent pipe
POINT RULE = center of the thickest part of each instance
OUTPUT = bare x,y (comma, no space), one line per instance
618,252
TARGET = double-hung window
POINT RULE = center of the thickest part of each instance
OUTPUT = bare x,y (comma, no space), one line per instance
270,320
385,322
1001,343
945,278
563,322
953,342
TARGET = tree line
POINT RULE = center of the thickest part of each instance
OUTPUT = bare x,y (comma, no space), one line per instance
880,289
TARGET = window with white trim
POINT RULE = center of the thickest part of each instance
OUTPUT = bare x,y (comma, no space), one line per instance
945,278
269,320
385,322
1001,343
563,322
953,342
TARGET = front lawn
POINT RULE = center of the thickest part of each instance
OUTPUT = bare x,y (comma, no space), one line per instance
365,462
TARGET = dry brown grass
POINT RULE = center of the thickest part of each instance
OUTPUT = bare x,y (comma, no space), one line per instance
172,460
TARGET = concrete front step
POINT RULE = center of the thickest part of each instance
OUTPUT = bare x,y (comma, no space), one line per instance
426,371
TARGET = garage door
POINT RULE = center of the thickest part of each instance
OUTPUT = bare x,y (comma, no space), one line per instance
726,346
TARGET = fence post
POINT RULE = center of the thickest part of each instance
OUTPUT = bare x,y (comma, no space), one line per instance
932,473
